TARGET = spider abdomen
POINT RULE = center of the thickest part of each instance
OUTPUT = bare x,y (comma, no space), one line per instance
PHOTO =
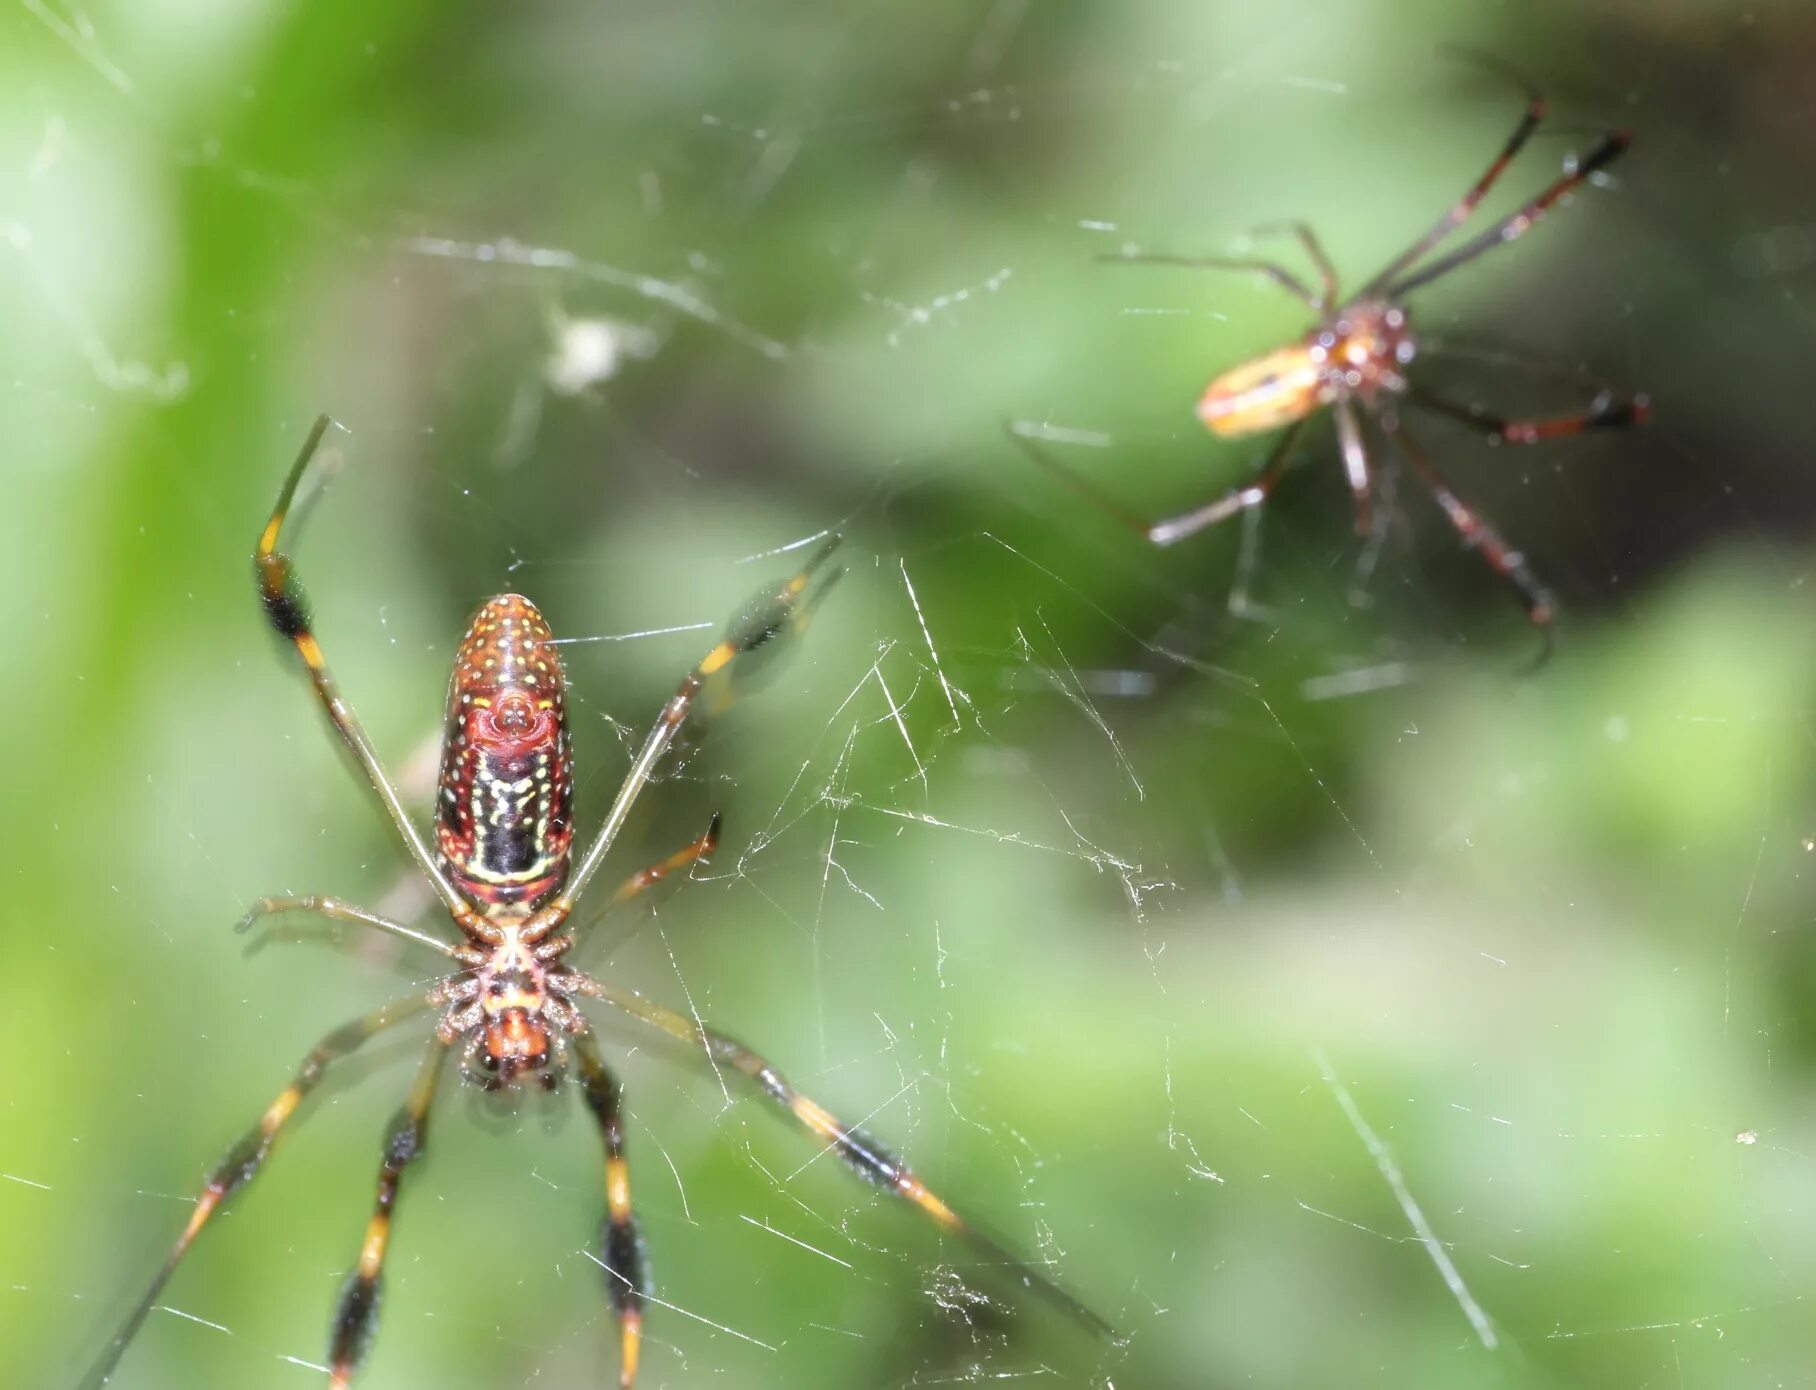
1271,390
1357,353
503,822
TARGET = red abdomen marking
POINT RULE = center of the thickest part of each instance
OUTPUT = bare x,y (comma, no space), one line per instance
503,819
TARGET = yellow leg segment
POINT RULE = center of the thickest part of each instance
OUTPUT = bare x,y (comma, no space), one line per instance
626,1270
356,1316
241,1164
860,1152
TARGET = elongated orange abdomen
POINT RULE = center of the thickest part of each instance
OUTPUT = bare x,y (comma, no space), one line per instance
1273,390
1358,353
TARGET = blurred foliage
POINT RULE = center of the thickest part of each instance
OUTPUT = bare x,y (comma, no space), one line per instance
1104,901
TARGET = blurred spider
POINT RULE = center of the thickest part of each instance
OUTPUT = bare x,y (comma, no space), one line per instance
1354,357
500,866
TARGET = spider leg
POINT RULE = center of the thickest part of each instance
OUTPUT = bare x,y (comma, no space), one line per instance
1020,435
1479,535
356,1315
1355,464
1173,529
1511,228
1281,276
1314,252
241,1163
699,851
858,1150
727,672
287,610
1460,210
338,911
1604,413
771,613
622,1243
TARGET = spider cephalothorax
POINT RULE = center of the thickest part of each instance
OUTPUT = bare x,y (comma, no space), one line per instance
1356,353
513,1008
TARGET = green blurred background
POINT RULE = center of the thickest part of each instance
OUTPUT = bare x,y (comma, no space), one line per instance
1188,948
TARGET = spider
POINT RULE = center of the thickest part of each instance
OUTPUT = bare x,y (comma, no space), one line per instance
511,1006
1354,357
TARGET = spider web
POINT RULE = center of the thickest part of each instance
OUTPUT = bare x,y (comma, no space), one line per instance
1234,933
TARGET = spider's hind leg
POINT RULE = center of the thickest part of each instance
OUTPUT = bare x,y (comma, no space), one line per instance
1479,535
1606,412
856,1148
242,1163
626,1269
356,1314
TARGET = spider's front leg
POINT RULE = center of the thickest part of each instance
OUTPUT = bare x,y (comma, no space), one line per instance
711,684
287,611
1479,535
337,911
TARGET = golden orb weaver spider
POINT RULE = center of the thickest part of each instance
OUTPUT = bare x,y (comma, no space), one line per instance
1353,357
501,867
